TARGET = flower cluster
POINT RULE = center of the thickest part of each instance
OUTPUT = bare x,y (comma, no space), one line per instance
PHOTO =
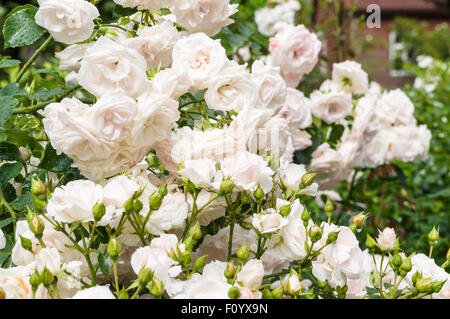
191,189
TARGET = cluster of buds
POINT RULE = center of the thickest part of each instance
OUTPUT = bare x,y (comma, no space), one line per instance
45,277
425,285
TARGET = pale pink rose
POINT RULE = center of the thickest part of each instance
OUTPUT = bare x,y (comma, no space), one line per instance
200,172
331,107
251,274
296,110
387,239
247,293
118,190
268,223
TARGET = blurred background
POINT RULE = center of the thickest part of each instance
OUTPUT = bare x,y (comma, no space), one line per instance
409,49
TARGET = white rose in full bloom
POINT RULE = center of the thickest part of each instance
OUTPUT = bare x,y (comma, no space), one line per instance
70,58
380,149
211,284
15,282
201,57
270,84
272,137
109,66
411,142
267,18
300,139
113,116
118,190
251,274
208,16
294,49
97,292
332,106
291,175
296,110
200,172
327,162
170,82
2,240
351,74
70,133
268,222
74,201
387,239
365,124
68,21
171,215
247,171
155,44
395,108
232,89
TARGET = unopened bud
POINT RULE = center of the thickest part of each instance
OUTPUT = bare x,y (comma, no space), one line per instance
278,293
433,236
245,198
359,219
226,187
37,187
137,206
267,294
189,243
424,284
417,275
285,210
230,270
329,208
306,215
35,224
308,178
259,193
234,293
199,263
397,260
26,243
128,206
47,277
332,237
370,242
243,253
187,258
315,233
99,210
156,287
35,281
437,286
145,276
155,201
113,248
196,231
353,228
406,265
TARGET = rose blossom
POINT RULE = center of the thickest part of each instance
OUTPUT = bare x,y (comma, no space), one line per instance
15,282
248,171
69,58
251,274
331,107
351,74
387,239
200,172
200,56
268,222
68,21
74,201
118,190
155,44
395,108
97,292
109,66
296,110
292,174
294,49
171,215
208,16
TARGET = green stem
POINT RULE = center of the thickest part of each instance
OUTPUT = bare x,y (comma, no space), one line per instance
136,294
116,278
33,58
11,211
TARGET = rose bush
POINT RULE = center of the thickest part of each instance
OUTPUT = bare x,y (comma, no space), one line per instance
168,170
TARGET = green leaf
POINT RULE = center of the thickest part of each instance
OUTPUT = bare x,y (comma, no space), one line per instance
20,28
104,267
120,11
13,89
5,222
7,105
20,203
9,171
53,162
45,94
336,133
9,152
7,63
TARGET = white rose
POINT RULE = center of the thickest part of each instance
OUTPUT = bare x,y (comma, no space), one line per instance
296,110
251,274
109,66
97,292
155,44
268,222
387,239
267,18
113,116
411,142
270,84
200,56
300,139
15,282
232,89
2,240
170,82
395,108
327,163
248,171
351,74
68,21
380,149
118,190
331,107
74,201
200,172
294,49
208,16
272,137
70,58
171,215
